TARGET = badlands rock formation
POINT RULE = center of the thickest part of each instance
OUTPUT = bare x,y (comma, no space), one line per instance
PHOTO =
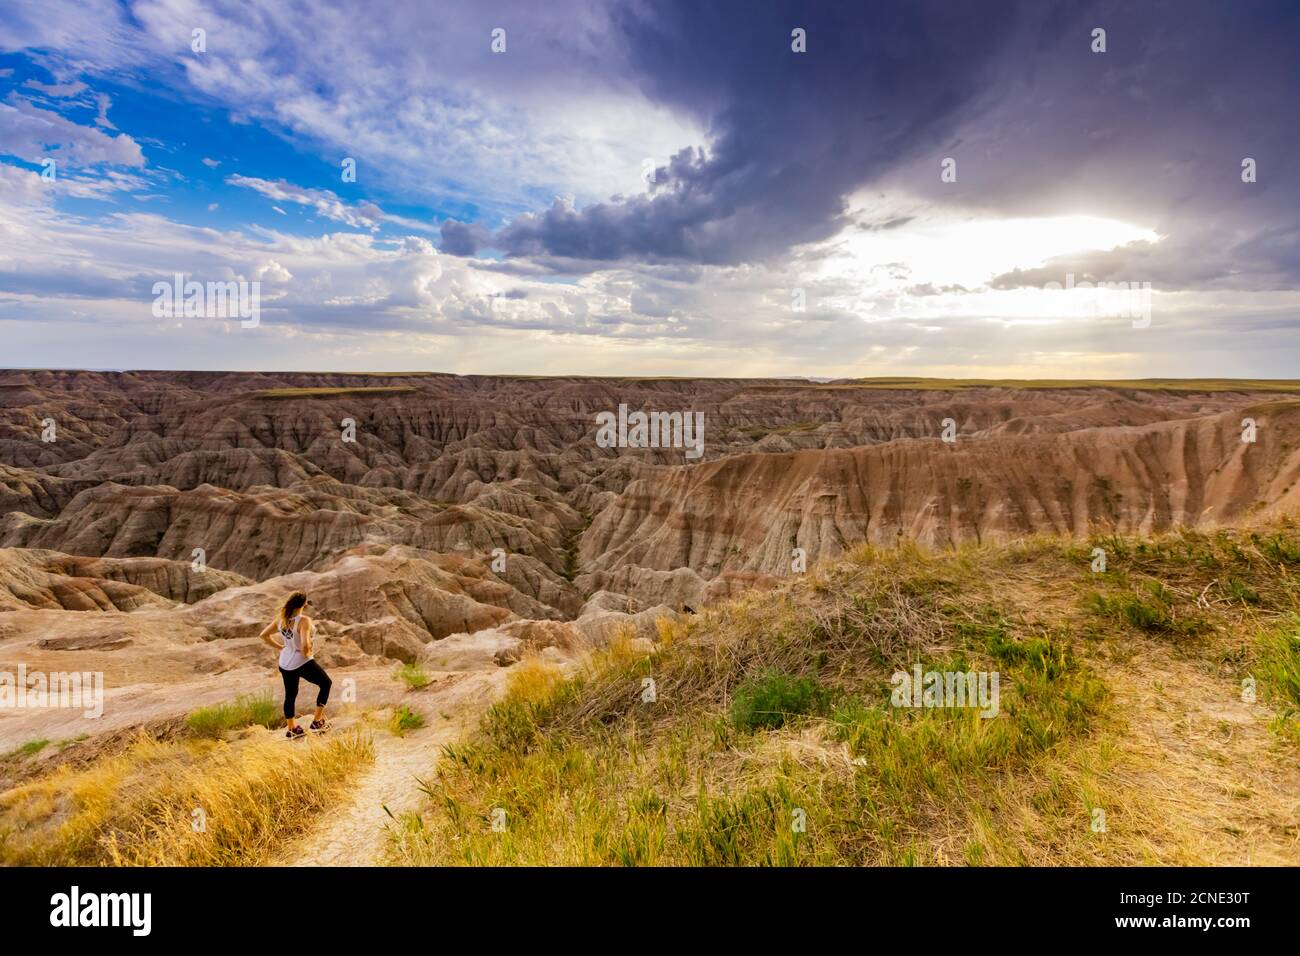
146,512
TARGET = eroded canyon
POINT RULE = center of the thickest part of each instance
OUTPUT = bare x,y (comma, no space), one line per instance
151,522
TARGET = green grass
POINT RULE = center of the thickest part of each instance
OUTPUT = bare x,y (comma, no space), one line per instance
405,719
772,698
246,711
1278,664
1148,609
412,675
614,790
589,773
1279,548
30,748
1239,590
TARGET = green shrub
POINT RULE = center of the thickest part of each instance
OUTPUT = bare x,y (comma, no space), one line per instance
405,719
412,675
772,698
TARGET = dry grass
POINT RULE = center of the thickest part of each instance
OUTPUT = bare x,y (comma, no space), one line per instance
1222,782
188,802
588,770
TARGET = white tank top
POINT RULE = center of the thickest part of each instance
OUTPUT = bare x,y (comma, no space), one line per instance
291,655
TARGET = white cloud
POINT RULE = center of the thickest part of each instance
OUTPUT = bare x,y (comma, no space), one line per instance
272,271
57,90
415,99
102,102
323,201
364,215
354,300
34,134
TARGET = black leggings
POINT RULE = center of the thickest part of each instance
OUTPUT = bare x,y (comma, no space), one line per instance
314,674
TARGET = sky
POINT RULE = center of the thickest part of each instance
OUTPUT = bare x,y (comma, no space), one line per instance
903,187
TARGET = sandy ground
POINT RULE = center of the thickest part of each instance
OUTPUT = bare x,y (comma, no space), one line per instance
129,705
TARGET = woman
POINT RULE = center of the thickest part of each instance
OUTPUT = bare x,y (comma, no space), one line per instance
296,661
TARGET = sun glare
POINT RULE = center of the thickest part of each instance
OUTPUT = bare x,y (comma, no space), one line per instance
970,252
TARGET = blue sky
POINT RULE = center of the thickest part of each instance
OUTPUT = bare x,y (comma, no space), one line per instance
633,188
194,147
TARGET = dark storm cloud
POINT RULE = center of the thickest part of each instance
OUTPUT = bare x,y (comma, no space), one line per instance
1201,256
1152,131
791,133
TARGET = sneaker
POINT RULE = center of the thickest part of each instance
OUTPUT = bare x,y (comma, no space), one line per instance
295,733
319,725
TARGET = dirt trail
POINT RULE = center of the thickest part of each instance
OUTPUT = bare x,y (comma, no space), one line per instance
354,833
1223,783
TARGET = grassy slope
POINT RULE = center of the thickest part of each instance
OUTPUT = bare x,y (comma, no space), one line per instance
222,793
771,739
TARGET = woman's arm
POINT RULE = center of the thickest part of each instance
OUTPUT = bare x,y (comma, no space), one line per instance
306,628
266,638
